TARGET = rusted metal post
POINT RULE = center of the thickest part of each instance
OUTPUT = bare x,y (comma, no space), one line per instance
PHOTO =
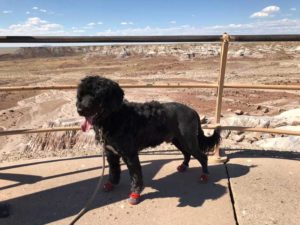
223,62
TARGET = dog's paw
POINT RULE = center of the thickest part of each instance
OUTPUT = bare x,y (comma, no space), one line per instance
204,177
108,186
134,198
182,168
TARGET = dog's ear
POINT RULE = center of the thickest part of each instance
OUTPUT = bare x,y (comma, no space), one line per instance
115,99
111,94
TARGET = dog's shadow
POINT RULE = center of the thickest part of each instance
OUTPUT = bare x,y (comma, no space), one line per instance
188,188
64,201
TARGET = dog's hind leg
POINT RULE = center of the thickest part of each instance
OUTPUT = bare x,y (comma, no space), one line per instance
187,156
114,170
190,145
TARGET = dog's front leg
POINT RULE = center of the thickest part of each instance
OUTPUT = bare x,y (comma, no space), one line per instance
114,170
135,171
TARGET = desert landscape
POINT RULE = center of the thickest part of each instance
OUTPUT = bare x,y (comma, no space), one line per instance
254,63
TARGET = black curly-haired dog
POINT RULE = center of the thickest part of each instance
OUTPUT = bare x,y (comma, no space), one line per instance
128,127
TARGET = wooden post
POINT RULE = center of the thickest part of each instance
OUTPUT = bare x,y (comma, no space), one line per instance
224,51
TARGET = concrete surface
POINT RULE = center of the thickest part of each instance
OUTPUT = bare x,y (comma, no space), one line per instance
270,193
265,188
52,191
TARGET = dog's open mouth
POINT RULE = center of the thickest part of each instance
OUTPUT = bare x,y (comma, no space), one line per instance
87,123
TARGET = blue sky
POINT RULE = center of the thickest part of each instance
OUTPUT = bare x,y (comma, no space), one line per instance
152,17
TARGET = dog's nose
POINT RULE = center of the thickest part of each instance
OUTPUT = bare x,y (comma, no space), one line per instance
79,110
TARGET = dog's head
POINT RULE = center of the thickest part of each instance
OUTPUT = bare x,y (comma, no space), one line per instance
97,96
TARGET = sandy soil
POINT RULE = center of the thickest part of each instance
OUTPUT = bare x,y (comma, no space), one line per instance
39,109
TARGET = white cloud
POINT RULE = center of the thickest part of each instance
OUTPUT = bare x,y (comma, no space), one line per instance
33,26
100,23
271,9
6,11
43,10
284,26
126,23
293,9
259,15
35,21
35,8
91,24
27,12
173,22
266,12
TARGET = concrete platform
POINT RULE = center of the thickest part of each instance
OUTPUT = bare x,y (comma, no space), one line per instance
270,193
52,191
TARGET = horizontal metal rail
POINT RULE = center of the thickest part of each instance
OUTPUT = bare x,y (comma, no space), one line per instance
146,39
77,128
108,39
262,130
195,85
264,38
264,86
62,87
37,130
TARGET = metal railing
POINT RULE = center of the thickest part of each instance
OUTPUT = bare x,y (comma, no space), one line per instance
225,39
146,39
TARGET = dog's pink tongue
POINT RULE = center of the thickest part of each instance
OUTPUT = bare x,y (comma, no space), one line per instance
86,125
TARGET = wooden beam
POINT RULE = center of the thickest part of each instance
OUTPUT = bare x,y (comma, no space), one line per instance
77,128
224,51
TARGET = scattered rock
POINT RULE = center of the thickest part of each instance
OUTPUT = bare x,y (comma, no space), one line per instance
266,110
295,123
238,112
259,107
241,52
239,138
203,119
253,139
239,132
280,124
225,134
265,125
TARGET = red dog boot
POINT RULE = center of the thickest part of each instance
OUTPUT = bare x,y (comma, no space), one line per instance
108,186
182,168
134,198
204,177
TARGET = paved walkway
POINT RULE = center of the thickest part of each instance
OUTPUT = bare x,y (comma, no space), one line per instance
270,192
52,191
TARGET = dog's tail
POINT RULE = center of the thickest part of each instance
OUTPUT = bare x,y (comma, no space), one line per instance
207,144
